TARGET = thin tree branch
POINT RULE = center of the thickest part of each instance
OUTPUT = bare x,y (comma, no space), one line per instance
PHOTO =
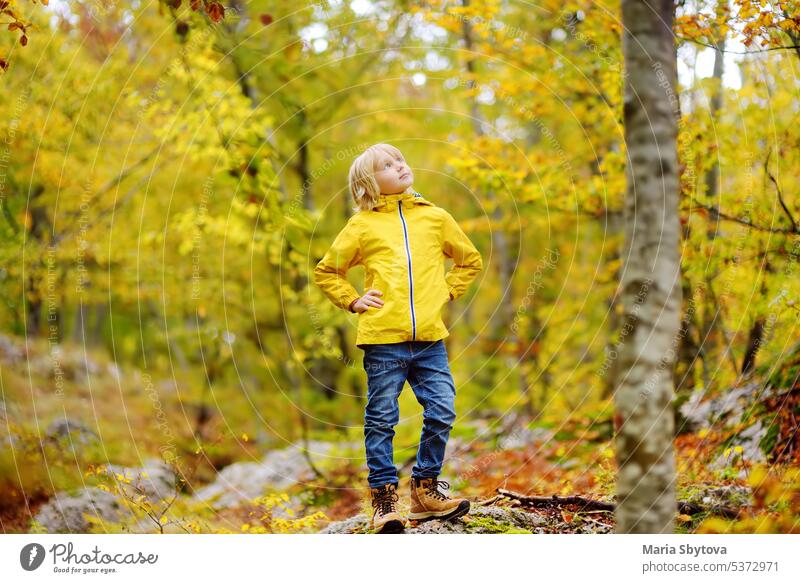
778,190
766,50
114,182
66,233
719,215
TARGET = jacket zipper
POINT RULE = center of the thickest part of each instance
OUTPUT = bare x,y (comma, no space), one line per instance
410,278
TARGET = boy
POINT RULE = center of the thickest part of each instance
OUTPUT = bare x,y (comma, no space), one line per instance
401,239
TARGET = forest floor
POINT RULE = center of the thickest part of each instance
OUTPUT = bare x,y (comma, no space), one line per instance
555,474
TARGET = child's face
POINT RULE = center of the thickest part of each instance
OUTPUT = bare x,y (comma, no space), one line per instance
392,174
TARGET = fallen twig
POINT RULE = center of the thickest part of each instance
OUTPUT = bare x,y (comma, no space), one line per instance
684,507
692,508
550,501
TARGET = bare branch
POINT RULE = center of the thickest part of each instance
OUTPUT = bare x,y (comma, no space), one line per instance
778,190
766,50
722,216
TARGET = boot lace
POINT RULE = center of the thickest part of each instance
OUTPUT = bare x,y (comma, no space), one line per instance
434,490
384,501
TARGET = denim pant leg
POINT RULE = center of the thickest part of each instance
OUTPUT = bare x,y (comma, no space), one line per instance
430,378
387,367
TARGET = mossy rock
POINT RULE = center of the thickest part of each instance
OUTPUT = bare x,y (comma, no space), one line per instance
480,520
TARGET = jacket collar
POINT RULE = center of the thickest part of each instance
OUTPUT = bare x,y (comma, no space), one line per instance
389,202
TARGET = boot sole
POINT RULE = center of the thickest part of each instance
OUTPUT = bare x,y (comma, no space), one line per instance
392,527
461,510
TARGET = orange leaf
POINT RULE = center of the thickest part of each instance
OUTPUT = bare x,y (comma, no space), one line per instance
215,11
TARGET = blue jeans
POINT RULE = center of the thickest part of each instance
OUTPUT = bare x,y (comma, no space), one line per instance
424,365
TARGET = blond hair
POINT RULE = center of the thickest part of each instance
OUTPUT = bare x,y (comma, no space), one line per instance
363,186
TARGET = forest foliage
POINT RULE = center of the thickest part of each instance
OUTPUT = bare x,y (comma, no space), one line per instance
171,173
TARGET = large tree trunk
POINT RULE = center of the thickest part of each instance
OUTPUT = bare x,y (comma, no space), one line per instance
34,302
650,290
756,338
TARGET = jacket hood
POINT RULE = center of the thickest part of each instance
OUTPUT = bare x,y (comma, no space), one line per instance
388,202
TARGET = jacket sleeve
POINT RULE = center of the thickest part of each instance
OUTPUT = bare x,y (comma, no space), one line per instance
467,260
330,274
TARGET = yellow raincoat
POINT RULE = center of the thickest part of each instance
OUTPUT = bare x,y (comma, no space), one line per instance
402,244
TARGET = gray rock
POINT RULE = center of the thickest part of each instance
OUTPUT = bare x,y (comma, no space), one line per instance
114,371
244,481
10,353
728,411
70,431
480,520
66,513
352,525
725,409
730,496
156,480
167,387
295,504
13,441
749,439
64,364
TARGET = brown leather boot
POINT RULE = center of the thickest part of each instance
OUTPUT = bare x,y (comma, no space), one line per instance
427,502
386,519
